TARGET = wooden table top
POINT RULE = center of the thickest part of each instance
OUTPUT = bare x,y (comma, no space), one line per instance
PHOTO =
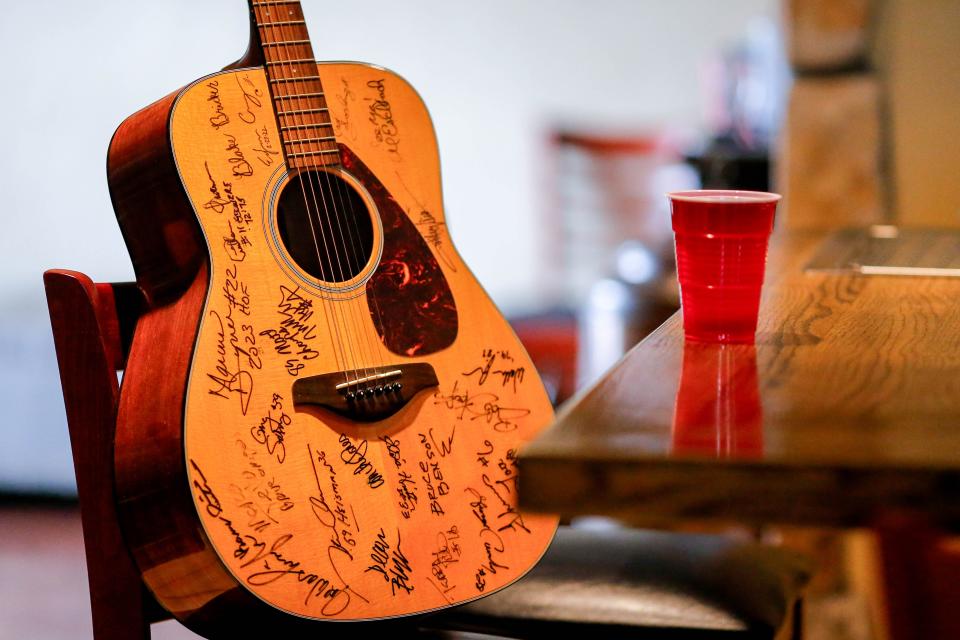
847,406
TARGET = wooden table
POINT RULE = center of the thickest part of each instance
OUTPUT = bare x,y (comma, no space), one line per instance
846,412
848,407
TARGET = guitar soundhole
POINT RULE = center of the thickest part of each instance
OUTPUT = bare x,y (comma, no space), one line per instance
325,226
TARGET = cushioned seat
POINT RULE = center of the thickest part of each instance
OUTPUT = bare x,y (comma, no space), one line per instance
638,584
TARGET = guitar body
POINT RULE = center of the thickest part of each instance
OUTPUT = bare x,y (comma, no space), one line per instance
293,446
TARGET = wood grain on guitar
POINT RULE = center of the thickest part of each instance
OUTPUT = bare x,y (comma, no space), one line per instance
242,495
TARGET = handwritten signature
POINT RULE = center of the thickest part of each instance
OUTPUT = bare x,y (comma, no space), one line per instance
219,117
385,129
275,564
272,429
346,97
513,375
251,99
504,493
239,165
392,565
264,149
447,553
292,337
235,241
482,406
431,228
356,456
236,347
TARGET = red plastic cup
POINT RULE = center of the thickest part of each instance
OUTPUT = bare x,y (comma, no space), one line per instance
721,240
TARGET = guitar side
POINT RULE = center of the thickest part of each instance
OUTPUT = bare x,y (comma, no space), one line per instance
300,500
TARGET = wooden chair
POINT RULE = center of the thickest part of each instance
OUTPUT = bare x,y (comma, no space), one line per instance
616,583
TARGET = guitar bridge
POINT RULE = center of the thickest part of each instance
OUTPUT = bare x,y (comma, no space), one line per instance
363,395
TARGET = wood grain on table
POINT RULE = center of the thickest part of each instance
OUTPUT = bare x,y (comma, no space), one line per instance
848,406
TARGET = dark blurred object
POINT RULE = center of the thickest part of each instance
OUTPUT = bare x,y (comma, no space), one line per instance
745,89
723,165
621,310
550,339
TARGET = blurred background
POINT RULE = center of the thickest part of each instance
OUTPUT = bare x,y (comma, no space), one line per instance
615,68
590,112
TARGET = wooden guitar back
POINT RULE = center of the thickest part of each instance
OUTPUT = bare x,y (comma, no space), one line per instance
317,510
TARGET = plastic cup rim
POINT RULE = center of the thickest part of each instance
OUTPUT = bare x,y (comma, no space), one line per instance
724,196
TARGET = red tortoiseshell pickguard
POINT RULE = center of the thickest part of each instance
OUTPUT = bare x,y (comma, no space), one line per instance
408,296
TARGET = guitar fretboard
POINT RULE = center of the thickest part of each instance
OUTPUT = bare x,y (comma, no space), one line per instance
298,99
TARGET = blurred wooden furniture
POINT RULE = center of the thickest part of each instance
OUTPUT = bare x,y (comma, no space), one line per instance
871,134
831,159
845,413
621,583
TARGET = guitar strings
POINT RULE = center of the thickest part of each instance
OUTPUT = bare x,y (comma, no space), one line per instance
313,181
375,343
352,258
355,261
330,316
295,100
378,348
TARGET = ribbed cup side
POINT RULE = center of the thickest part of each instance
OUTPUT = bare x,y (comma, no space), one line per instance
720,280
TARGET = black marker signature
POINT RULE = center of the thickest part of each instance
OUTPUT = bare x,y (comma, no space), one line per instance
219,117
330,520
483,406
514,375
385,129
229,381
356,455
392,565
251,99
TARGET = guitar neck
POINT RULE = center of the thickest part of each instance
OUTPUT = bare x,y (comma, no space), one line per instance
306,130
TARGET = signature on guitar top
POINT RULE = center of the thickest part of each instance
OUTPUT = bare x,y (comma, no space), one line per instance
323,408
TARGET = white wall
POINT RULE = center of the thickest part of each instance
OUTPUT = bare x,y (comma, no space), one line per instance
493,73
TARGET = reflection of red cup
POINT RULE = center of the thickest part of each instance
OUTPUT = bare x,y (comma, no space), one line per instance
718,411
721,239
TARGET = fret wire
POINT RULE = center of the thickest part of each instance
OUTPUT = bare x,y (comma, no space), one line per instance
297,61
281,23
274,63
294,96
317,110
321,139
277,43
295,79
306,126
312,153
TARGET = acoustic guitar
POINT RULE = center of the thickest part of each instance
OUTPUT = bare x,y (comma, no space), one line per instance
322,411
